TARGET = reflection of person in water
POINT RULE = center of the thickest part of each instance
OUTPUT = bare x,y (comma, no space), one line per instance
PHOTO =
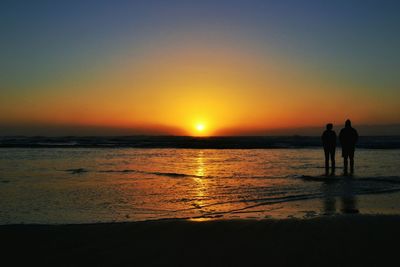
348,138
329,201
329,143
343,188
349,201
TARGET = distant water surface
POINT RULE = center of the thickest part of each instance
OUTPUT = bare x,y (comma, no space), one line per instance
221,142
80,185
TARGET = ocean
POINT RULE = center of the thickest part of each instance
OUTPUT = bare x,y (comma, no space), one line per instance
78,184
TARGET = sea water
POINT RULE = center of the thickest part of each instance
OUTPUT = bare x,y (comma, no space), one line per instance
85,185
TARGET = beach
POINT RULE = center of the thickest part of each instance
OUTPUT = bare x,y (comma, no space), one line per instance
196,207
347,240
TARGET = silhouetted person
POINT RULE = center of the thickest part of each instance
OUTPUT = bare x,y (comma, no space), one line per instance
329,143
348,138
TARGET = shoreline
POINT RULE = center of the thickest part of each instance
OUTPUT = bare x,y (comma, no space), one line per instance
369,205
342,240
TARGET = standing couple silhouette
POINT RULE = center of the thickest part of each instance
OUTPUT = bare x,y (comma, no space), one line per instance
348,138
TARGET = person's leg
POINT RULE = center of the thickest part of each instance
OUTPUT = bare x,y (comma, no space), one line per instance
326,151
345,163
333,160
352,164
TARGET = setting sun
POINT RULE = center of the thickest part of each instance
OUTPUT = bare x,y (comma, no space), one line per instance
200,127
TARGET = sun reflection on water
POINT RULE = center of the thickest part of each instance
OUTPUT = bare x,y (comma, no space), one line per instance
200,170
200,182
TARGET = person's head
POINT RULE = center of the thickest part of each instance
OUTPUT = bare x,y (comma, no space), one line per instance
329,126
347,123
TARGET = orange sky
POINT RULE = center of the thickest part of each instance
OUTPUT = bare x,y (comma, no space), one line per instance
226,89
171,77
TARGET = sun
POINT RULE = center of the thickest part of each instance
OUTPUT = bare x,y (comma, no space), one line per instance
200,127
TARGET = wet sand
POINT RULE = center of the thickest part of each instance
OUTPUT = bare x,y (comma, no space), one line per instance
347,240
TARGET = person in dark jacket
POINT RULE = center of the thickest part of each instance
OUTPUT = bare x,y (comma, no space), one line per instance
348,138
329,143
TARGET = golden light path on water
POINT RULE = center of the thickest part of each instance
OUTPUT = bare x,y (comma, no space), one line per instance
199,179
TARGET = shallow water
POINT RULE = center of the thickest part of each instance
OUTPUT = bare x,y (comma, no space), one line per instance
80,185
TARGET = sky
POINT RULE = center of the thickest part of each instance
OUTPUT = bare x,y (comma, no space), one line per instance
237,67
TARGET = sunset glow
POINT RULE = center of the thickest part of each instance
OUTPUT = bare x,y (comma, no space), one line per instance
247,74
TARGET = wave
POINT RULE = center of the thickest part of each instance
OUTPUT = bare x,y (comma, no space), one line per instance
343,187
76,171
120,171
228,142
176,174
268,202
173,174
169,174
322,178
